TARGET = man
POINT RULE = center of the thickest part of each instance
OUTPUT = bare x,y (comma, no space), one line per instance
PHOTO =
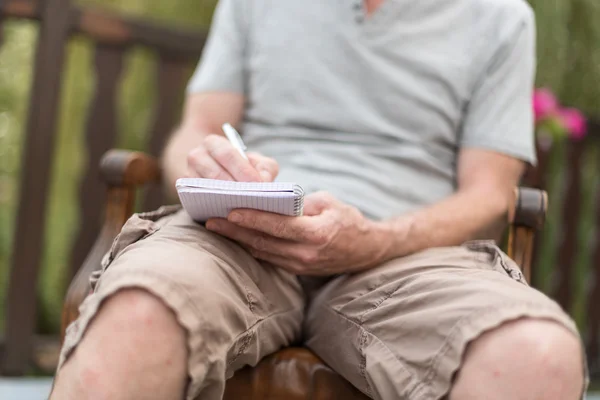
409,122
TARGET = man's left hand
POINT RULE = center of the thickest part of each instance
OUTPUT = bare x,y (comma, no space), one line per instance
330,238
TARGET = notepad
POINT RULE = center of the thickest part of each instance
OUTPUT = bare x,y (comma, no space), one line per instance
208,198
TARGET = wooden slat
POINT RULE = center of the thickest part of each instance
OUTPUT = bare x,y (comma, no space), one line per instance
593,311
35,175
101,133
571,212
537,177
172,75
20,9
111,29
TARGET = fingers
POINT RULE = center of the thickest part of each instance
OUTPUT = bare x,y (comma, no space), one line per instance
299,229
266,166
316,203
230,160
256,241
201,165
216,158
298,258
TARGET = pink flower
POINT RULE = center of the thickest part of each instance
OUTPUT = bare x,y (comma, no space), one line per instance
544,104
574,121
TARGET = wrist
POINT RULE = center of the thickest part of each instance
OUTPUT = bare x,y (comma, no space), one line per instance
391,238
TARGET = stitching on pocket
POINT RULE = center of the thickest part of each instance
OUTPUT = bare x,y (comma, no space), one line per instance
246,341
500,261
363,360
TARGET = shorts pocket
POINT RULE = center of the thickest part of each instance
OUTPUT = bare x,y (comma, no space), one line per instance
138,226
496,258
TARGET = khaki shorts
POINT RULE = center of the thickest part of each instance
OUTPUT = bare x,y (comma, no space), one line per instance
396,332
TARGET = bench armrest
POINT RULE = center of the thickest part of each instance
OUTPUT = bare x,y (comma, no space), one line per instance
123,172
129,168
528,216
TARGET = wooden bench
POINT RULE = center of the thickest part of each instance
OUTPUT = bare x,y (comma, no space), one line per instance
177,53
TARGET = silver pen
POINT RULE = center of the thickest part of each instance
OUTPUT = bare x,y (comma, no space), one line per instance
235,139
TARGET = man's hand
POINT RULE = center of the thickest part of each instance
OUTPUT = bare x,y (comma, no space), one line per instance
216,158
330,238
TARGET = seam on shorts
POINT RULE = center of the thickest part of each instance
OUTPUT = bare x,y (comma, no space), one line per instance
413,380
385,297
249,333
432,368
363,360
249,299
220,256
404,282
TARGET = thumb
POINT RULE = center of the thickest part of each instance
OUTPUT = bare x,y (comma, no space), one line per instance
267,167
316,203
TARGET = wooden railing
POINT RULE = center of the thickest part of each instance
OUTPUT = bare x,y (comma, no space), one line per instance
113,35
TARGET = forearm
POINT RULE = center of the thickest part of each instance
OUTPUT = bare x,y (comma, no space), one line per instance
478,213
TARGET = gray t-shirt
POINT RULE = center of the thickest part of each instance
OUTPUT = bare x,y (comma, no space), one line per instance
374,109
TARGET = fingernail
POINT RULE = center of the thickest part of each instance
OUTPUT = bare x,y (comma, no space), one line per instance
212,225
266,176
235,217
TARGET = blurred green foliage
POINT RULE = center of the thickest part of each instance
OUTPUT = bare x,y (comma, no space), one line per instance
568,46
569,62
135,105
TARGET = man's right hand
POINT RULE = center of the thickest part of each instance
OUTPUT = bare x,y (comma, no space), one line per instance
216,158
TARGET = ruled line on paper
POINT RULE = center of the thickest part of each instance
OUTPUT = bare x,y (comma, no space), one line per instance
215,185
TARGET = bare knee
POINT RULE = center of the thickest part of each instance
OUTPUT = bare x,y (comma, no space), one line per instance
540,344
137,316
525,354
133,333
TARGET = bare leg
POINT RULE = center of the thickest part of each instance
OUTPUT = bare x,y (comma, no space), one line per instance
522,360
134,349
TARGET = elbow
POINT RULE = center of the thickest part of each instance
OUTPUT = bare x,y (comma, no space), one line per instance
501,206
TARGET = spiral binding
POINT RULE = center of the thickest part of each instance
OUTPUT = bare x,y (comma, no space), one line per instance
298,201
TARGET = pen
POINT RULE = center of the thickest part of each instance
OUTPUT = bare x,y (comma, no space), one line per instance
235,139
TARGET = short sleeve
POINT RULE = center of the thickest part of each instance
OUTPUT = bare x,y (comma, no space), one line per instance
222,65
499,115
